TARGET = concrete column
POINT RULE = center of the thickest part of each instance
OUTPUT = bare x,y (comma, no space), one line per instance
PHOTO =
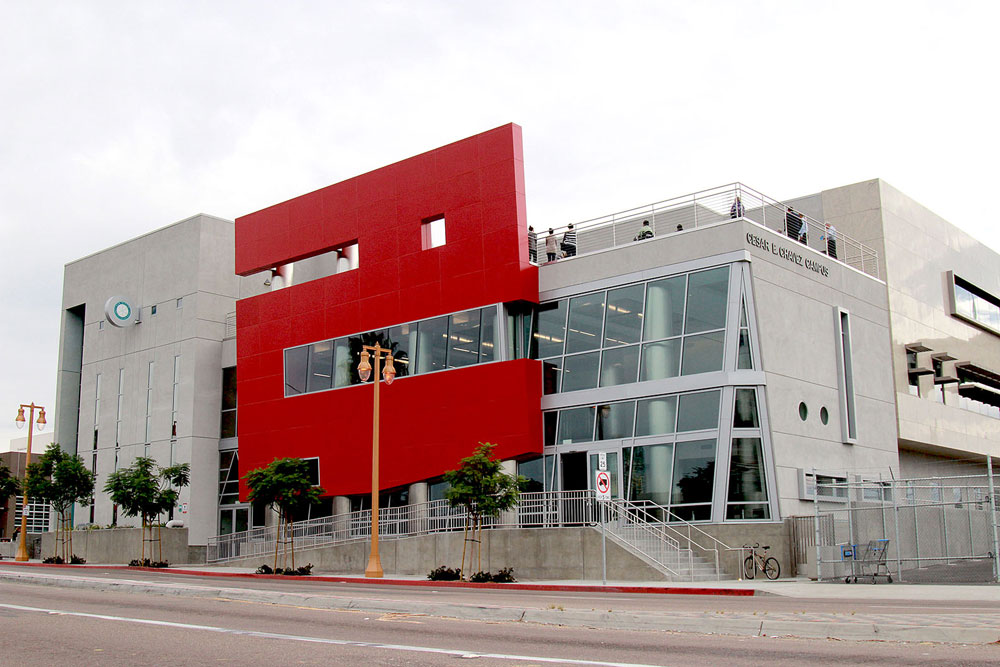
418,515
341,523
509,519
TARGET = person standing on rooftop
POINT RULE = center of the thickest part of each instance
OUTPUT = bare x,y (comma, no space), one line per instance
736,211
830,235
569,241
551,245
793,224
532,245
645,233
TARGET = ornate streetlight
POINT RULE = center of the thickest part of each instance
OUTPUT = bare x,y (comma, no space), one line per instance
374,568
22,545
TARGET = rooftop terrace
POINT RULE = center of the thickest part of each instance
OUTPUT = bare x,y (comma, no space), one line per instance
710,207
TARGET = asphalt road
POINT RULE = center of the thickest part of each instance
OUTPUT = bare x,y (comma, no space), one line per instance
46,625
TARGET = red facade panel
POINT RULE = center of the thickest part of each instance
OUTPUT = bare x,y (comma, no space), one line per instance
429,421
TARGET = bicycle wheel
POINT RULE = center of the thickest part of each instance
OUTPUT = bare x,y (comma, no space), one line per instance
748,567
772,569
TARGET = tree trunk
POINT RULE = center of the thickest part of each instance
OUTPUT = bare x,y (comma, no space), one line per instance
277,538
56,545
291,539
465,542
159,542
479,544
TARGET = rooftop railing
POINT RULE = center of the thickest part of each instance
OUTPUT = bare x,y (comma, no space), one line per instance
710,207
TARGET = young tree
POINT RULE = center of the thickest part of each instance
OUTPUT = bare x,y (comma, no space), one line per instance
9,487
62,480
147,490
285,487
484,490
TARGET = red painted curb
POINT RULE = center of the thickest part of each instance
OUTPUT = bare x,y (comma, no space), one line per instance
566,588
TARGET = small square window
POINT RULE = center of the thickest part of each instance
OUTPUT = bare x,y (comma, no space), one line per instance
180,302
152,310
432,233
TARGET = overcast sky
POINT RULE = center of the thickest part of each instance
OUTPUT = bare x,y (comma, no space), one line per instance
121,117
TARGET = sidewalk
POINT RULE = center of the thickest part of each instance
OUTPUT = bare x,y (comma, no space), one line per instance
980,626
792,588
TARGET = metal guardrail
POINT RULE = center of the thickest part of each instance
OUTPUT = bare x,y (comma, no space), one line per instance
709,207
643,527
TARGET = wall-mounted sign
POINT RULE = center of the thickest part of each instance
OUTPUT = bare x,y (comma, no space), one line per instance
787,254
602,484
121,312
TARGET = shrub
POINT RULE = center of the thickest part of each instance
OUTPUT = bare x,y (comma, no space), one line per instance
146,562
54,560
77,560
445,574
302,571
503,576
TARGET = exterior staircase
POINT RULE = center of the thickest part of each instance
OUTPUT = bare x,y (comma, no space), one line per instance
677,548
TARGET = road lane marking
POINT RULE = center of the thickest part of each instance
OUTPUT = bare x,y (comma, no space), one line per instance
321,640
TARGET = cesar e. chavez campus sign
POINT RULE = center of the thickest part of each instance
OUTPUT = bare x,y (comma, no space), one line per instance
788,254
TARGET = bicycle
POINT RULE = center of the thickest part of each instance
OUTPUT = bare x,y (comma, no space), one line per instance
755,561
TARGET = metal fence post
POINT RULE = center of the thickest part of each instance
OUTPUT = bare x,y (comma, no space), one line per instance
993,518
899,560
819,550
944,525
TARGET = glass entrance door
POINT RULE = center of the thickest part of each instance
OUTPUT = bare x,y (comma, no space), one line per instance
234,519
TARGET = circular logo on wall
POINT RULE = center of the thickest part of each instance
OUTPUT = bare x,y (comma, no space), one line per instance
120,312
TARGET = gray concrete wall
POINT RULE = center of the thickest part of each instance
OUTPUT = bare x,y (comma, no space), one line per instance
190,260
536,554
121,545
917,247
796,319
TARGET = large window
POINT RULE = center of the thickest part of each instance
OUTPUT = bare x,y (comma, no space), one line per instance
228,426
440,343
38,514
975,305
677,471
845,372
650,331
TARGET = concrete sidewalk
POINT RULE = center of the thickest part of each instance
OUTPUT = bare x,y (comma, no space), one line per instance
981,627
792,588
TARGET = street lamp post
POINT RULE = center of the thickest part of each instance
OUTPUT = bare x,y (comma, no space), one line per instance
22,545
374,569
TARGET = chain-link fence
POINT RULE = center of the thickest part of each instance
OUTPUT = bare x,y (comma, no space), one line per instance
935,529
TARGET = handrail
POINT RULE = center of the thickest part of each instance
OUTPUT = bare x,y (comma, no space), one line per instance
709,207
540,509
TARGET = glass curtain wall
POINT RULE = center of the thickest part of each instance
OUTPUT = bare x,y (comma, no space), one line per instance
649,331
440,343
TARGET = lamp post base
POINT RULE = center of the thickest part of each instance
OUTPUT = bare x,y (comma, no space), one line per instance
374,569
22,552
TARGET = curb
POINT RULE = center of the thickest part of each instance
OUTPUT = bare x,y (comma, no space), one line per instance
565,588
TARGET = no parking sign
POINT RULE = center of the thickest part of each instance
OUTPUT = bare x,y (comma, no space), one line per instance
602,483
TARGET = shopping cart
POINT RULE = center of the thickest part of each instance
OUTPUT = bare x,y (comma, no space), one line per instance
869,561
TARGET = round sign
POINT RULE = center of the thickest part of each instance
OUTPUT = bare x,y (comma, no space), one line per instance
603,484
120,312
